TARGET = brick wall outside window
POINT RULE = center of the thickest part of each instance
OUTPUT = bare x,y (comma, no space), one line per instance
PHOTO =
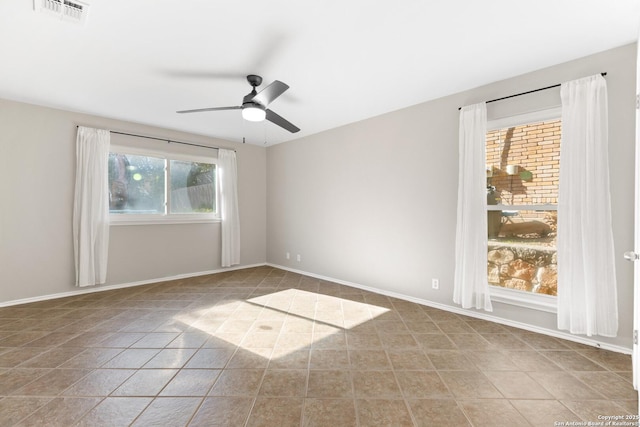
535,149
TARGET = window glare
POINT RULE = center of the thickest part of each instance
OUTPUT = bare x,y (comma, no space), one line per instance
192,187
153,186
136,184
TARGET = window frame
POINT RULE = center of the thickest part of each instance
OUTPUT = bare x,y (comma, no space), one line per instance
167,217
516,297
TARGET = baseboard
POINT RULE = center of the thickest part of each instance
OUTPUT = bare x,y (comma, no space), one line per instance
470,313
94,289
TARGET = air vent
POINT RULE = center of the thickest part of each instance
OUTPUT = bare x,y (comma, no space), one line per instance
67,10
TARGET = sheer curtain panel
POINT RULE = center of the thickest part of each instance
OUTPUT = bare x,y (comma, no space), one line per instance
471,286
587,293
91,206
230,228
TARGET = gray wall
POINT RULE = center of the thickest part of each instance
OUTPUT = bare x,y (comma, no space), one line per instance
37,172
374,202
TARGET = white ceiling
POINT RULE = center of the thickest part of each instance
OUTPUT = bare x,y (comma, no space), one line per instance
344,60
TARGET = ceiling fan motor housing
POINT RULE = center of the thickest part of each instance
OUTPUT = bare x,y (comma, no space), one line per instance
254,80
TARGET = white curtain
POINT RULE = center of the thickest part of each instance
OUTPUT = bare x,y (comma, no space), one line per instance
587,293
230,228
91,206
471,286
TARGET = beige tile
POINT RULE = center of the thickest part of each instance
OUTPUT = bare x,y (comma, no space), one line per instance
92,358
437,412
571,360
132,358
100,382
589,410
545,412
146,382
223,412
272,411
437,341
422,385
115,411
86,339
542,342
409,359
609,384
13,409
564,386
398,340
284,383
532,361
608,359
15,356
238,382
491,360
191,382
357,340
376,384
469,385
168,411
170,358
329,413
52,383
455,327
336,340
52,358
330,384
487,327
450,360
329,359
390,326
517,385
470,342
506,341
285,358
294,340
383,412
61,411
189,340
210,358
259,340
20,339
492,413
254,358
155,340
297,325
423,327
307,352
629,406
369,359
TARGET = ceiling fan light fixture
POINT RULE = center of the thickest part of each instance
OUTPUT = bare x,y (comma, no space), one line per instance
253,114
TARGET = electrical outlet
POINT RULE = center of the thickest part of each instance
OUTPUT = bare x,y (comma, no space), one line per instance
298,258
435,283
287,255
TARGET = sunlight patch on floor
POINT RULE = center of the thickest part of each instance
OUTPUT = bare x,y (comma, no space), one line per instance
280,323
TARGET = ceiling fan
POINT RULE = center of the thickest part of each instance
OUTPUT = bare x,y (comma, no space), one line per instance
254,105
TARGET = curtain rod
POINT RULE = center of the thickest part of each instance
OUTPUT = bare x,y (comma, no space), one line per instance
169,141
528,92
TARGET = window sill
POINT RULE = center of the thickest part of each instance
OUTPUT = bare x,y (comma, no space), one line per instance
530,300
117,220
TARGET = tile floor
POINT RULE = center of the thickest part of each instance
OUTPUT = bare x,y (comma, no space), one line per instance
264,347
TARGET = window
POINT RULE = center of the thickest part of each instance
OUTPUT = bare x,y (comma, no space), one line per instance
155,187
523,167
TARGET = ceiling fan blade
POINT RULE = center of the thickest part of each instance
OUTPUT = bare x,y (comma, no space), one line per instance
283,123
271,92
199,110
